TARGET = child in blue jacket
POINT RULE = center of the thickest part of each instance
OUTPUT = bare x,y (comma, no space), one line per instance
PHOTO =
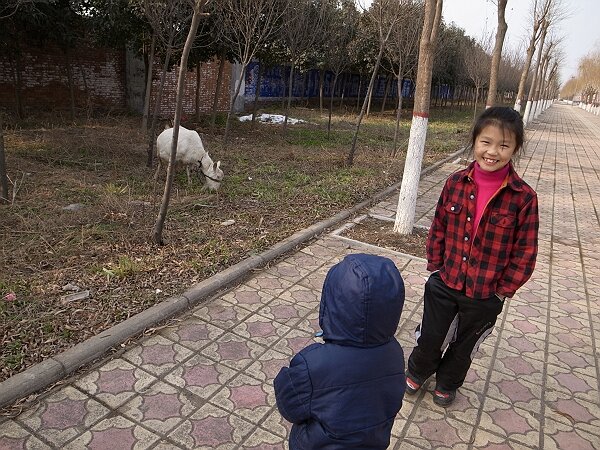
345,393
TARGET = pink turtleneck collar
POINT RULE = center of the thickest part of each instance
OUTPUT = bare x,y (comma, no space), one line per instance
488,184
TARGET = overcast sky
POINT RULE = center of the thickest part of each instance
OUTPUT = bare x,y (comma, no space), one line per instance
580,32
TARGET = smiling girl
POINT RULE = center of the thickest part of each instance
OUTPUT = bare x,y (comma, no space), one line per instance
482,247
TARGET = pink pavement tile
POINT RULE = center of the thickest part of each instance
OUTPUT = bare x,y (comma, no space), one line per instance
263,440
261,329
157,355
233,351
573,411
221,313
15,437
519,366
276,424
559,435
432,430
288,270
161,408
115,382
268,366
315,279
506,420
284,312
523,344
295,341
212,428
112,433
269,283
569,382
200,376
310,323
519,392
247,297
247,397
63,415
303,296
192,333
489,441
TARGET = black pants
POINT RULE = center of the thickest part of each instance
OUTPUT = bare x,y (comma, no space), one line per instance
455,323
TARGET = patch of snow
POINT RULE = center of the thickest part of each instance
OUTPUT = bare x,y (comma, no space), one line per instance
271,118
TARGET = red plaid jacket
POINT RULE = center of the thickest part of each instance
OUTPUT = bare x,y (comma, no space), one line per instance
501,256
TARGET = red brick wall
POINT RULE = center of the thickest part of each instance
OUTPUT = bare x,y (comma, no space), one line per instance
208,82
44,82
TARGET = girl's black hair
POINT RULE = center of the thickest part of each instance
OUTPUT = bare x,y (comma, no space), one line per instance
503,117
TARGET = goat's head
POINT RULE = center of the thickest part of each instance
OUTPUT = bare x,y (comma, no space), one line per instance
213,176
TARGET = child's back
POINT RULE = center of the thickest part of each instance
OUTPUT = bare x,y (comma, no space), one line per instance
346,393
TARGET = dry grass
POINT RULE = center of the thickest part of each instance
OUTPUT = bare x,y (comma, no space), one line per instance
275,185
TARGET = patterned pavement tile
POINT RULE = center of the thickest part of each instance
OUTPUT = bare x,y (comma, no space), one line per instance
466,406
284,312
247,297
488,441
157,355
574,411
570,359
212,428
192,333
63,415
566,381
15,437
519,326
165,445
161,408
267,366
519,392
200,376
221,314
115,432
519,366
521,344
263,440
569,339
432,430
295,341
115,382
310,323
476,377
277,424
527,311
260,329
510,422
315,280
250,398
269,283
233,351
306,261
289,271
300,295
559,436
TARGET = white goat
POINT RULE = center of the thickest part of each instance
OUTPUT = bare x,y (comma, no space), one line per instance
190,152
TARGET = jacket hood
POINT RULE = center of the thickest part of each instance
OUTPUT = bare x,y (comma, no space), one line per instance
361,302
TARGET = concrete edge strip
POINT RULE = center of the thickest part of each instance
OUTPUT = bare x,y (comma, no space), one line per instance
354,243
57,367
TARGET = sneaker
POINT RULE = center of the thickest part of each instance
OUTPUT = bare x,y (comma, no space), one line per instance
411,385
442,398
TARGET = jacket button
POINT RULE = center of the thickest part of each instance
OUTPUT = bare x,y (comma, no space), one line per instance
468,219
466,238
464,258
452,208
472,196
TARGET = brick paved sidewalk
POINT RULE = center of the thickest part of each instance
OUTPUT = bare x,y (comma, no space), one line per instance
205,380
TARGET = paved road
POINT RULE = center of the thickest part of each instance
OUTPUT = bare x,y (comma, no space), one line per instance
205,380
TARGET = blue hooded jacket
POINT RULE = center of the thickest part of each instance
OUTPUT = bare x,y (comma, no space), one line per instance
345,393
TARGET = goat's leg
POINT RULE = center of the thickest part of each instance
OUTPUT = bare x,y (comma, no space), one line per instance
187,169
158,168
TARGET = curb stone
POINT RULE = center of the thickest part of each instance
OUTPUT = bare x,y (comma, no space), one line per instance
47,372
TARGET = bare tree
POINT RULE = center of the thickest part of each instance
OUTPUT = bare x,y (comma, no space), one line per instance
301,28
247,25
539,12
162,215
148,82
477,65
405,215
379,13
3,175
167,18
342,31
497,54
402,50
536,72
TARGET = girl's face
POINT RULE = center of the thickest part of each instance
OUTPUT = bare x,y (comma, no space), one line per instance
494,147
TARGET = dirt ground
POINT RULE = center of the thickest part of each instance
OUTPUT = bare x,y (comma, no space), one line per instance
380,233
86,203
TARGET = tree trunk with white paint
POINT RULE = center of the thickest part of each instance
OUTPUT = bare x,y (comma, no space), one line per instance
497,54
405,214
